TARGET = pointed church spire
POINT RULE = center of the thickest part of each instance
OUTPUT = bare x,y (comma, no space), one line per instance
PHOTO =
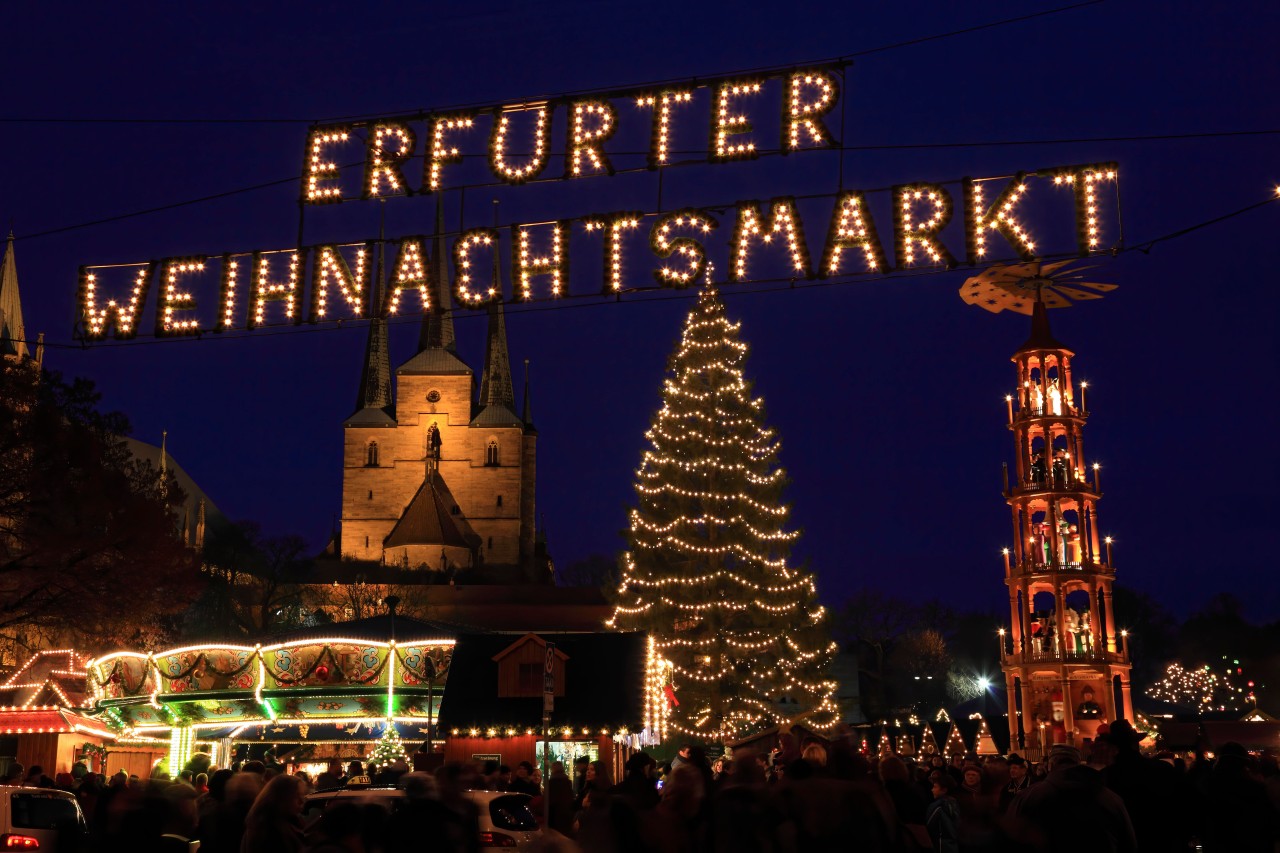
437,324
526,413
375,379
496,387
200,522
12,334
164,462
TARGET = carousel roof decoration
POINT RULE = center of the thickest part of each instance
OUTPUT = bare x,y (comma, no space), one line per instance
1017,287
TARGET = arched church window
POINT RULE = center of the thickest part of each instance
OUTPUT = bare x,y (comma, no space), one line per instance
371,455
491,452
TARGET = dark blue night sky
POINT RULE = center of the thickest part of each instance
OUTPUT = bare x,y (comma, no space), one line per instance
888,394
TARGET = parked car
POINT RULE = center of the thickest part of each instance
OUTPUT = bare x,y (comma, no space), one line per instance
506,820
40,819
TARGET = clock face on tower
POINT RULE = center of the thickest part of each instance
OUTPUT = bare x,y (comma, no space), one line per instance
433,396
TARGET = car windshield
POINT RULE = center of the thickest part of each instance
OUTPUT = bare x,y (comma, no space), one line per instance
43,811
512,812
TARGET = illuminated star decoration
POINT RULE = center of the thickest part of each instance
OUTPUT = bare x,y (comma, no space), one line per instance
1013,287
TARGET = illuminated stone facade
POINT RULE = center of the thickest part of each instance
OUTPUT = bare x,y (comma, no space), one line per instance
434,478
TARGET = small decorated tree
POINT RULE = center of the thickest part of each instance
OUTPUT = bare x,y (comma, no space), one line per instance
389,748
740,633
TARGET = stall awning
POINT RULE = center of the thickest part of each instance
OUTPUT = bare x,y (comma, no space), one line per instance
51,720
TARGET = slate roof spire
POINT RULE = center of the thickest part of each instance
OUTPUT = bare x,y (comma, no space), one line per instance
375,377
526,413
495,386
12,332
437,324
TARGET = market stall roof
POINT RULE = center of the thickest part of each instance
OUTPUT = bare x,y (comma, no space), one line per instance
1251,734
54,677
603,683
50,719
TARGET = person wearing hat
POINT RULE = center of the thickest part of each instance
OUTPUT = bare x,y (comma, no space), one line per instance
1019,780
1157,798
1071,804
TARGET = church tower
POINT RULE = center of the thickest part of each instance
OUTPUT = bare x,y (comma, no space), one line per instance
1066,669
434,479
13,334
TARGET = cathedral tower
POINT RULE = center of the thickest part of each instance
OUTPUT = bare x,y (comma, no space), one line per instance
1066,669
437,480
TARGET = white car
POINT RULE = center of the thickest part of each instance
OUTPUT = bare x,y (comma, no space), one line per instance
40,819
506,820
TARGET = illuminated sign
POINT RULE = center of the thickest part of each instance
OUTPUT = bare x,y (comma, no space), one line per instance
916,225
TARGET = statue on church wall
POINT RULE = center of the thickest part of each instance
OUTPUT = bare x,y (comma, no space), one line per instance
433,442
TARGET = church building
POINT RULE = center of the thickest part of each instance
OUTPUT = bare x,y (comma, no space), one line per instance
435,477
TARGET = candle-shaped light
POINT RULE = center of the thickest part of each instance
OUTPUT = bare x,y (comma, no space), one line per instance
1008,401
1124,641
1108,541
1083,407
1000,632
1096,469
1005,551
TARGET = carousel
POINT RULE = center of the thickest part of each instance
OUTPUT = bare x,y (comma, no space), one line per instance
304,698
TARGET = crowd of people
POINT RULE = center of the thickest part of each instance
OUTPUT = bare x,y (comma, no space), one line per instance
802,796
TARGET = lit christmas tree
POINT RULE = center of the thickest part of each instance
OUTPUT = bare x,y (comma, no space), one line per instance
740,632
389,748
1201,689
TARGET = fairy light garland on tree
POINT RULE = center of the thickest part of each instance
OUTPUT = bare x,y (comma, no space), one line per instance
1199,688
389,748
735,628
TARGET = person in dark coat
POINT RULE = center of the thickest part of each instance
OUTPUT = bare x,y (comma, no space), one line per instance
1241,817
637,785
274,823
1019,781
560,800
942,818
1158,801
332,777
1070,805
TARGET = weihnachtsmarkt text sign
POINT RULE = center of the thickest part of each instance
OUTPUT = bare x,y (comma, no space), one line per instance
555,142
